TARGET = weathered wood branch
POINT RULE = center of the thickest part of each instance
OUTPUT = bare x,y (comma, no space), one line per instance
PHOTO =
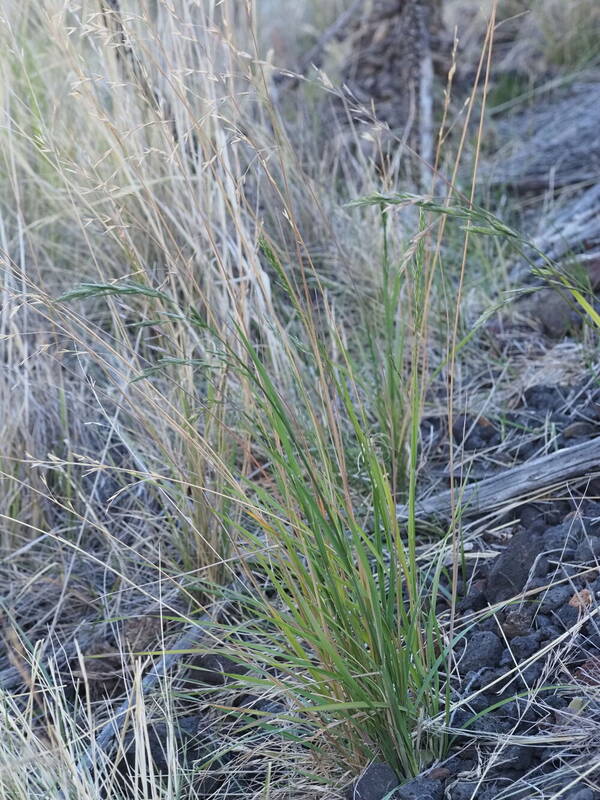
537,474
574,227
554,143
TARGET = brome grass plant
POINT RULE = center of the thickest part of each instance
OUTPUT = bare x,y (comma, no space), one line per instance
353,624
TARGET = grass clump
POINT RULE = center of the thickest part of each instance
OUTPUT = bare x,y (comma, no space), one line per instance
353,625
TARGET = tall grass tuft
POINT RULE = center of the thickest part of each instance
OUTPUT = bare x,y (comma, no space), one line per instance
348,617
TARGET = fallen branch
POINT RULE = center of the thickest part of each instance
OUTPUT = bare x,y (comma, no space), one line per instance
539,473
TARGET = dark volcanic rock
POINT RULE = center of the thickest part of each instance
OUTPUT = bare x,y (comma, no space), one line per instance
511,570
194,740
568,615
582,794
214,669
190,746
474,600
544,398
472,790
474,434
530,514
378,780
517,622
484,649
461,718
524,646
555,597
562,538
420,789
491,723
588,550
516,757
554,312
531,674
547,628
263,705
